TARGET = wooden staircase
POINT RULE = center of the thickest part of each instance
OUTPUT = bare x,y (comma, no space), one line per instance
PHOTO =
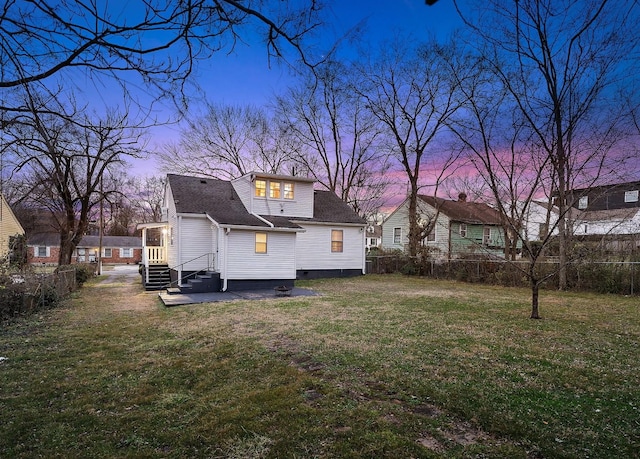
159,277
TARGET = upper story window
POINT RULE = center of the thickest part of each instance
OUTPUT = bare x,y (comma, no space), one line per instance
463,230
288,190
274,190
631,196
397,235
261,188
336,240
583,202
486,236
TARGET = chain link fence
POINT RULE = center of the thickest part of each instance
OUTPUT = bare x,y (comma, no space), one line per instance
619,277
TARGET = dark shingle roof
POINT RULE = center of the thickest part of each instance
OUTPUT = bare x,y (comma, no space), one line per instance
216,198
464,211
219,200
329,208
53,240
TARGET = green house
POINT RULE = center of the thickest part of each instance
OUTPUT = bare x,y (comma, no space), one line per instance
459,228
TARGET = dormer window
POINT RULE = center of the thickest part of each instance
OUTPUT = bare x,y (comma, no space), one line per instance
274,190
288,190
631,196
583,202
261,188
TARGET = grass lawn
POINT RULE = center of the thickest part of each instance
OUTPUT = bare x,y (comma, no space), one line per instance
375,367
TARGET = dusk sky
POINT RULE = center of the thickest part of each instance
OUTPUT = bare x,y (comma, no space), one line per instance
244,77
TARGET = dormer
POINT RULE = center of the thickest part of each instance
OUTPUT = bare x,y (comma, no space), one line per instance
273,194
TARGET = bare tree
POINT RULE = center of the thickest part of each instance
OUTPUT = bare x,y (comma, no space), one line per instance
157,40
227,142
146,196
338,136
412,94
563,64
66,155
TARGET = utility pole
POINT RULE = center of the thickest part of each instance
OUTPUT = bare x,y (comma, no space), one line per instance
101,227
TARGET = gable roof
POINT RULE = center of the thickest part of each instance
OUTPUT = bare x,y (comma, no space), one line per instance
463,211
218,199
213,197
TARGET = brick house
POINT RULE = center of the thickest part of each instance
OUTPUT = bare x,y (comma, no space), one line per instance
44,248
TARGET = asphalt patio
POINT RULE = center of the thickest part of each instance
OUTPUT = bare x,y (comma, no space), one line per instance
126,273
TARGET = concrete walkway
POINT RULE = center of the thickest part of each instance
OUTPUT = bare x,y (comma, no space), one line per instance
178,299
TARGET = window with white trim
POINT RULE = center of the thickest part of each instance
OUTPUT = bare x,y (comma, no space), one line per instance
631,196
107,252
261,242
261,188
583,202
397,235
126,252
288,190
486,236
274,190
337,238
431,237
463,230
42,251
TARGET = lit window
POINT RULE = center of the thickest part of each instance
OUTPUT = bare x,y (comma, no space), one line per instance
288,190
261,242
397,235
261,188
463,230
631,196
274,190
583,202
336,240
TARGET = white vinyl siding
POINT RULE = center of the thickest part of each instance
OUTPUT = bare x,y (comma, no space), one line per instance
300,206
314,248
196,240
243,263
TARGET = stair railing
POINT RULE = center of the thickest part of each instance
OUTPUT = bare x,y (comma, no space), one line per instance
211,258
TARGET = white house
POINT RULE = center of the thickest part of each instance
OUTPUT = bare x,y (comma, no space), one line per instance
538,219
256,231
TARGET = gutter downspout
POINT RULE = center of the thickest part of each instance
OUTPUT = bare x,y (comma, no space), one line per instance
226,258
364,249
179,250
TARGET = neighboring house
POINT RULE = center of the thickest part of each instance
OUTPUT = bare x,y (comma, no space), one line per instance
608,213
538,219
461,227
9,227
373,237
607,209
44,248
256,231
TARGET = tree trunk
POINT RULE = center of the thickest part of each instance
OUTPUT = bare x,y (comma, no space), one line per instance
535,292
414,230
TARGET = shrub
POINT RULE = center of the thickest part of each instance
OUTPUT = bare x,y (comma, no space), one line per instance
84,272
